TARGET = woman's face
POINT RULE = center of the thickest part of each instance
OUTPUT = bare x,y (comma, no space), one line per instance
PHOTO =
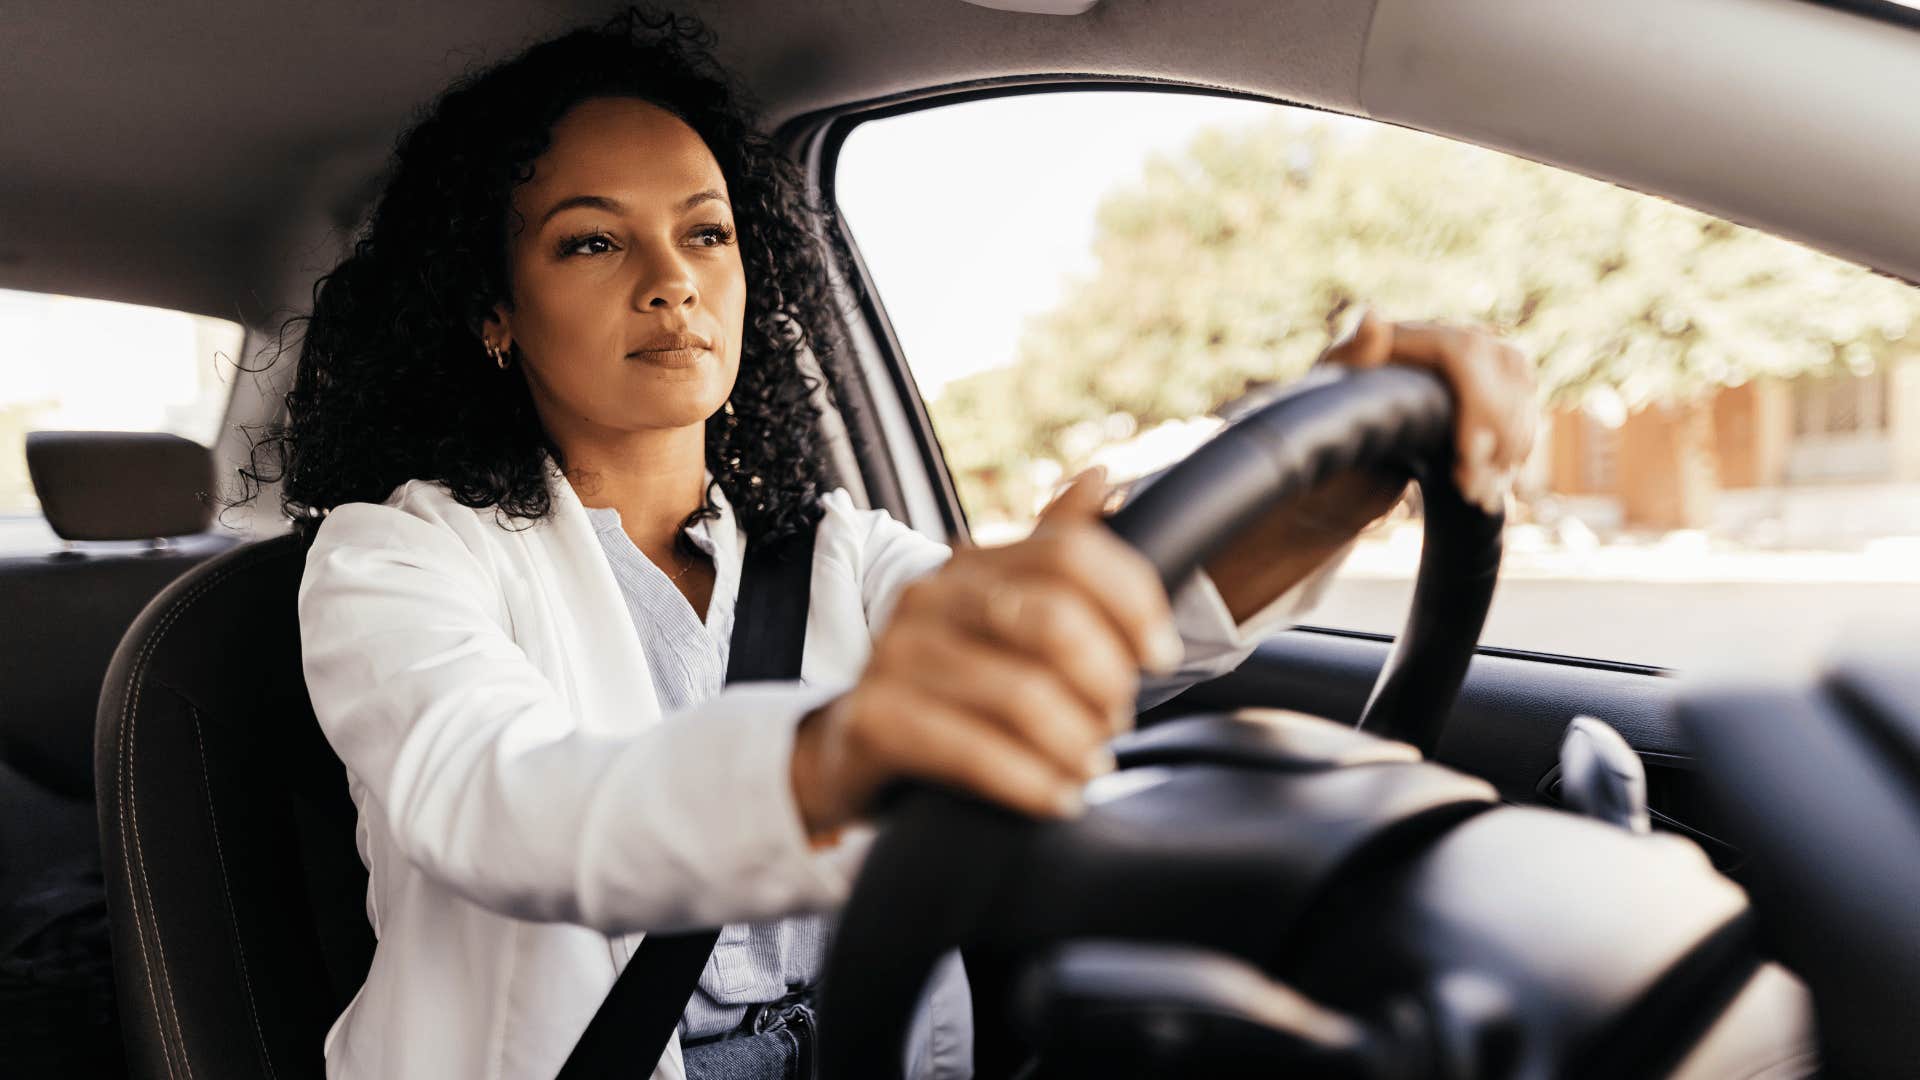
628,290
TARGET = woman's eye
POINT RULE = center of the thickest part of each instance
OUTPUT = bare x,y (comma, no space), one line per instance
719,234
590,244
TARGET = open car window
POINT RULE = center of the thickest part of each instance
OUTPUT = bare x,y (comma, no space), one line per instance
78,364
1729,463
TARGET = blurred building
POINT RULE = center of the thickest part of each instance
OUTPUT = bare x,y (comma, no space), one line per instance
1812,460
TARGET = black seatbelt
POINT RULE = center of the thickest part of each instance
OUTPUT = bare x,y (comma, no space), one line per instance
630,1032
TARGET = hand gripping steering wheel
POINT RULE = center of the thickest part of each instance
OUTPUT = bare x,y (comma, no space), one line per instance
938,876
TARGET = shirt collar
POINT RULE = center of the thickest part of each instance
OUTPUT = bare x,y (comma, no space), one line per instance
722,532
719,538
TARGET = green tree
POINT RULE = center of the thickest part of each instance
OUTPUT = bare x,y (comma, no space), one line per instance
1225,266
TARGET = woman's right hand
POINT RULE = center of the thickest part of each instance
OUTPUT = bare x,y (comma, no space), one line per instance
1003,673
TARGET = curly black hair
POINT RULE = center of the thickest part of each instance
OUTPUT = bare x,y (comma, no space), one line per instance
393,382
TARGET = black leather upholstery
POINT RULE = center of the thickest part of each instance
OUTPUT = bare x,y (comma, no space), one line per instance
237,897
121,485
65,614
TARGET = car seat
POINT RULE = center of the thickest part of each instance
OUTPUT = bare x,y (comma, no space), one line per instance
237,896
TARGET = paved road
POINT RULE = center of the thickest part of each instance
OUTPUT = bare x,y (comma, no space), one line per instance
1686,626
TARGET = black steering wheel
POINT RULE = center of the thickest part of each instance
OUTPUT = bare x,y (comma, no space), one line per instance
947,870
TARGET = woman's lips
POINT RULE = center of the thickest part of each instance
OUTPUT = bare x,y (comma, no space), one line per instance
668,358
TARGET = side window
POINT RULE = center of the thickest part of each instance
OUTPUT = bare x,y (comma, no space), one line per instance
95,365
1730,454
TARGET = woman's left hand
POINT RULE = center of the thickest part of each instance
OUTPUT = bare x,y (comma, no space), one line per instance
1496,410
1496,414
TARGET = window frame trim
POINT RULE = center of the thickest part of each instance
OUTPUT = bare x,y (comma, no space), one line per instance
816,139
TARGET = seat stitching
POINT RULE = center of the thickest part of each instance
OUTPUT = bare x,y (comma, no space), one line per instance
163,1010
139,927
233,921
130,813
130,717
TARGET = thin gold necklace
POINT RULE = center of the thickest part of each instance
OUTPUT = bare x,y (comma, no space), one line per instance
674,579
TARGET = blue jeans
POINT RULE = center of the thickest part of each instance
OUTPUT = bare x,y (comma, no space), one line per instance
775,1042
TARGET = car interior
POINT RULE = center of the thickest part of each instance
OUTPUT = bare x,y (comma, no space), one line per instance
1465,885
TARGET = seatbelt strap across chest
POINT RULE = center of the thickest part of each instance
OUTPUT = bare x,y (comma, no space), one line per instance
633,1024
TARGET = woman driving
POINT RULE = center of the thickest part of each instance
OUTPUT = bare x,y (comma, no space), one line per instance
541,410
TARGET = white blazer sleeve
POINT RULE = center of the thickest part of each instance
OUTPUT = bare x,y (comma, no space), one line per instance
492,787
889,554
1215,643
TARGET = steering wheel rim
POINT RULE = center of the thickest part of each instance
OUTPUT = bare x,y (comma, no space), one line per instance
930,881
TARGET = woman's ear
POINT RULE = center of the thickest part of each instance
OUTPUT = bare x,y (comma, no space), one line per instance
496,328
496,336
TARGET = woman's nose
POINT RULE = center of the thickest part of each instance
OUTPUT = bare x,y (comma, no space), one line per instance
668,282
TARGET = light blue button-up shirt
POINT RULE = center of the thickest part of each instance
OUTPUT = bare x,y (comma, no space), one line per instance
687,657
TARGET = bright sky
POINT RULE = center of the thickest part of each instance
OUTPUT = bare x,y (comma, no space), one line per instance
969,216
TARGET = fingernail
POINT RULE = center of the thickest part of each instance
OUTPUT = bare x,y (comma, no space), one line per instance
1494,496
1480,447
1070,803
1473,483
1165,650
1475,489
1100,762
1349,327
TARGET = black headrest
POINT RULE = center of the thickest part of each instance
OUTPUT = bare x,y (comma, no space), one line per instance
121,485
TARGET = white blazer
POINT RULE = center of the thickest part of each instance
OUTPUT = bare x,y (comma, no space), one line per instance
525,811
